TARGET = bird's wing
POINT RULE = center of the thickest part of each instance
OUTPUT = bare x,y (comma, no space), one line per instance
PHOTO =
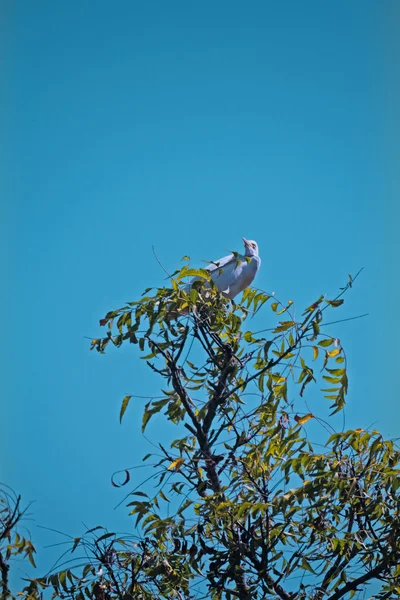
226,274
222,262
216,269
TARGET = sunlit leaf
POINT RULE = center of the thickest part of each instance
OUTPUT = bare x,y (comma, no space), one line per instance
303,420
176,464
336,371
331,379
203,273
284,325
334,352
326,343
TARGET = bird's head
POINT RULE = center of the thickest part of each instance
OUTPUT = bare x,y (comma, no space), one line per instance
251,247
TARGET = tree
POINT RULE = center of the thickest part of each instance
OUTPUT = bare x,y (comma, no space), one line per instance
244,507
12,542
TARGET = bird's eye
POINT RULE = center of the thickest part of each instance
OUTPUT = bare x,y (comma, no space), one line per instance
253,245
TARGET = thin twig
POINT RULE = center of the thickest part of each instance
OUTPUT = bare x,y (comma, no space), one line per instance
343,320
159,262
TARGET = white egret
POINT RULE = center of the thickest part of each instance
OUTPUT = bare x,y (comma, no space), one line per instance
234,273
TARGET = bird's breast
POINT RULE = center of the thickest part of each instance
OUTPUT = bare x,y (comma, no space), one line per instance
243,275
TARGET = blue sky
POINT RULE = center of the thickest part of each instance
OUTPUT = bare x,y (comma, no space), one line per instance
184,126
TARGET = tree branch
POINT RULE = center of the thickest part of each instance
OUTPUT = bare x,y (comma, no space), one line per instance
353,585
273,363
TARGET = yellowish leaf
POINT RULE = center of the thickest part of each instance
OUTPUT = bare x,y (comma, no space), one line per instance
334,352
176,464
302,420
359,430
278,378
315,350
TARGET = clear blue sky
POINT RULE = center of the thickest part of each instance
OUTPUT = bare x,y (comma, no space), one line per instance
185,125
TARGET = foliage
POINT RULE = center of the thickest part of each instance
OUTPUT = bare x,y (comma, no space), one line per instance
12,543
244,505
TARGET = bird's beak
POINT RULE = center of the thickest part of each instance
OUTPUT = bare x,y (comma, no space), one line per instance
246,242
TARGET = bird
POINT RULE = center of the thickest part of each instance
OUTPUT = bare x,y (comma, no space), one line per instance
234,273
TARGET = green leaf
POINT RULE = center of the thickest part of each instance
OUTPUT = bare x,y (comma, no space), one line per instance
306,565
335,303
284,325
63,580
326,343
316,329
203,273
267,346
163,496
336,371
184,506
146,418
31,559
261,382
331,379
124,406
